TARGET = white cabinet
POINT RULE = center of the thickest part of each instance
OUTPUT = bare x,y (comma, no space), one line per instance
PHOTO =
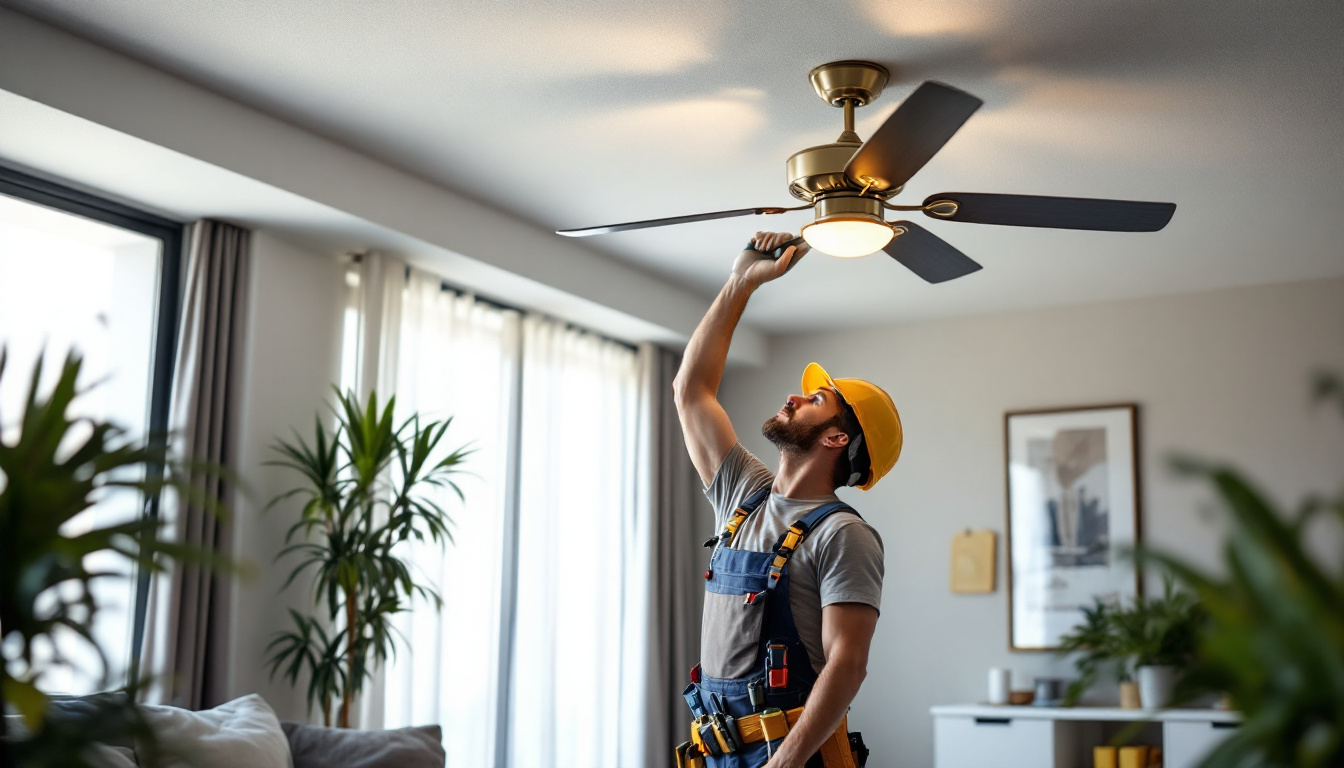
1003,742
1184,744
976,736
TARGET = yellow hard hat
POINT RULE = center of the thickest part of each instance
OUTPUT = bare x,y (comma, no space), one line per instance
877,415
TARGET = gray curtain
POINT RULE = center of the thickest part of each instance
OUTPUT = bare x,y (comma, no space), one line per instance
682,520
188,605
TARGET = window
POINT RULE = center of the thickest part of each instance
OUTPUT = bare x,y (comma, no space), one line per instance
522,665
84,274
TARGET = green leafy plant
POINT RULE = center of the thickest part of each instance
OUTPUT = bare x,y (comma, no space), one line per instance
367,487
1161,631
1095,649
52,469
1149,631
1275,642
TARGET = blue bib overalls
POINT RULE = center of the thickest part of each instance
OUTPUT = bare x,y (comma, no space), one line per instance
748,595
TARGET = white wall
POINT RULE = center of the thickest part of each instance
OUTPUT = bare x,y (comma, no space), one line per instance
1221,374
291,360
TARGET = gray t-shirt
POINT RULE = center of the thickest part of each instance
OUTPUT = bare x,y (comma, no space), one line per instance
839,562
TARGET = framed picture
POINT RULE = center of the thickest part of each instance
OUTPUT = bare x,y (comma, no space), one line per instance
1073,508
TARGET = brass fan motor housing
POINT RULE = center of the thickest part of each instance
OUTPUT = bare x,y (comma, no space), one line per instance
820,170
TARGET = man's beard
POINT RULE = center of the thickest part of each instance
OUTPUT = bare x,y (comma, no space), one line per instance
790,436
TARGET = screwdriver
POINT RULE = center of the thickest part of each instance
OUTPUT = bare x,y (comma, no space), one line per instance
756,692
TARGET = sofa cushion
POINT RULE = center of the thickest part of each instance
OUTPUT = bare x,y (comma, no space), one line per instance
112,757
242,733
316,747
94,708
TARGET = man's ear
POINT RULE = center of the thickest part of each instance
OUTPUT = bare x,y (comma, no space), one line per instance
834,438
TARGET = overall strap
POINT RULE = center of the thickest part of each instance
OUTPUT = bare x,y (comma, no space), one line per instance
792,538
749,505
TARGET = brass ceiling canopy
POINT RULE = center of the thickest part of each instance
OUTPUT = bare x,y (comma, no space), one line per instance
849,181
838,81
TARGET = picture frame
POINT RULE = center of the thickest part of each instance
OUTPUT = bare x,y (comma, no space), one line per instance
1073,508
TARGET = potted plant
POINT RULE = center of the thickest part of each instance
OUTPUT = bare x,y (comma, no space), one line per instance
1275,640
1149,638
1158,636
367,487
54,467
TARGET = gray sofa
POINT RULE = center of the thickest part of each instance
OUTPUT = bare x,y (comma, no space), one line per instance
245,733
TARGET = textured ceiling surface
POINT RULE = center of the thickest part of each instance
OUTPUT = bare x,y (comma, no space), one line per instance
580,113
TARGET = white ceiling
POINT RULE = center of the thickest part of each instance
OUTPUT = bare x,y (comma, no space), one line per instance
580,113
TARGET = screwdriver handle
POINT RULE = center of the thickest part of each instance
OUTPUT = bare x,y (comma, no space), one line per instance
778,250
776,253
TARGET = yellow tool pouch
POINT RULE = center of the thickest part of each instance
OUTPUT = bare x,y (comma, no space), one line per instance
770,725
688,756
774,724
835,752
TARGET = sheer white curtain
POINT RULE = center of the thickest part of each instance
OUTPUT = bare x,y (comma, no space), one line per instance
458,357
576,514
541,656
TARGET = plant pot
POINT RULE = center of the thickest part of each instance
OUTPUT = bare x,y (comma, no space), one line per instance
1129,695
1155,685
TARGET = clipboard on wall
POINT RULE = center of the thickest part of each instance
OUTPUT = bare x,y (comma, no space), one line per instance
973,562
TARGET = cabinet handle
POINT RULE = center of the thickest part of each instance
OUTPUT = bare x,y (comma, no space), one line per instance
993,721
1221,724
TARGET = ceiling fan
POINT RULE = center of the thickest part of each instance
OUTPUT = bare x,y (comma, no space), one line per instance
848,182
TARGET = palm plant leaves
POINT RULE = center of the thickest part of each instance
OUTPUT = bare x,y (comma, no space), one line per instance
53,468
1276,637
367,487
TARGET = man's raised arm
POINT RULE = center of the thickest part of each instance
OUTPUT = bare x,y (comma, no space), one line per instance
708,432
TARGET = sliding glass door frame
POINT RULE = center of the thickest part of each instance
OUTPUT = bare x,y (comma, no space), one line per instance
171,234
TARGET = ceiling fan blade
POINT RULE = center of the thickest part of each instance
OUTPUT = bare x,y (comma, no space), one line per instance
928,255
1052,212
912,135
647,223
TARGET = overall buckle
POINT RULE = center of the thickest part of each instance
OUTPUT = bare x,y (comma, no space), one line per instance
777,665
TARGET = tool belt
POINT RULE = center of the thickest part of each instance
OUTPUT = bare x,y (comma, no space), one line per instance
715,736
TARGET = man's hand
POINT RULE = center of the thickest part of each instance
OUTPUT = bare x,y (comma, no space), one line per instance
756,267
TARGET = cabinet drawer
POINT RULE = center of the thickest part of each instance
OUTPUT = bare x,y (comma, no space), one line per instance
1002,742
1184,745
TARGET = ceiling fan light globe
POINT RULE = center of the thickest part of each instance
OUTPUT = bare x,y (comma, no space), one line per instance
848,238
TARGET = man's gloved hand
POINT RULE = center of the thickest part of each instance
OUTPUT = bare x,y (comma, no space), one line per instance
758,266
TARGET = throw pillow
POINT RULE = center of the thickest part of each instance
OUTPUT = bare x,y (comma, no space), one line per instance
316,747
243,732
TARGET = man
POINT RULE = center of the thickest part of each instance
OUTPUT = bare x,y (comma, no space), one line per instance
795,579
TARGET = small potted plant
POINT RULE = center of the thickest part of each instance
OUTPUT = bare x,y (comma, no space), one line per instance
1151,639
1160,637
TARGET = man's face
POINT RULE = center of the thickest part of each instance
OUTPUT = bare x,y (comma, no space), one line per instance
803,420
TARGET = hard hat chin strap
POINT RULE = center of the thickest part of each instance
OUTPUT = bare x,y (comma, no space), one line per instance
859,461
